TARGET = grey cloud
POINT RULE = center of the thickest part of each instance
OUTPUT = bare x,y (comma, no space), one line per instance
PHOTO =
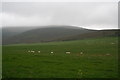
84,14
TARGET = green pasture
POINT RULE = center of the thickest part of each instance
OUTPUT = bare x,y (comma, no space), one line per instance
99,59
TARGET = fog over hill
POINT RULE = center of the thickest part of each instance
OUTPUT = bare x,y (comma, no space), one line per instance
12,31
50,33
36,34
91,15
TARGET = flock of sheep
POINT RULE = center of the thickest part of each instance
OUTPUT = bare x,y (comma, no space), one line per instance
67,52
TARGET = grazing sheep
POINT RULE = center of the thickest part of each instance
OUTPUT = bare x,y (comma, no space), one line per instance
52,52
107,54
38,51
112,43
67,52
29,51
32,51
81,53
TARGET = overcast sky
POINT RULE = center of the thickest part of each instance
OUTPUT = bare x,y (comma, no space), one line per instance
92,15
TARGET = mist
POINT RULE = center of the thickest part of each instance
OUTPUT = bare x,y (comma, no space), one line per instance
91,15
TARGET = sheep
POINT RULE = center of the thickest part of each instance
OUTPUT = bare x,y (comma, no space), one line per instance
52,52
81,53
29,51
108,54
112,43
67,52
32,51
38,51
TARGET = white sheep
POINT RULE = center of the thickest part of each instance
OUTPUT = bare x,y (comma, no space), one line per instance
52,52
38,51
112,43
67,52
107,54
81,53
29,51
32,51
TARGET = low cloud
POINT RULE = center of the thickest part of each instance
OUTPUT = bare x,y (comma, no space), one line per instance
89,15
21,20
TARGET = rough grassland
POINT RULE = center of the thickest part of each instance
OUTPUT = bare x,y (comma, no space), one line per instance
99,59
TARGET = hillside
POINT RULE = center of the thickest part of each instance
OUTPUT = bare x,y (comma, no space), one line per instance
93,34
53,33
12,31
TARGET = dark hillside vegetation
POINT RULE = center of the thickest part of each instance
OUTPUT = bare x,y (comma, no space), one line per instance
50,34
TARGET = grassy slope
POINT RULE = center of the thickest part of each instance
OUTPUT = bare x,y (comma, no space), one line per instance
0,61
94,63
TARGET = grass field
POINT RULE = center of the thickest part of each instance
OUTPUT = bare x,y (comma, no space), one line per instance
93,63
